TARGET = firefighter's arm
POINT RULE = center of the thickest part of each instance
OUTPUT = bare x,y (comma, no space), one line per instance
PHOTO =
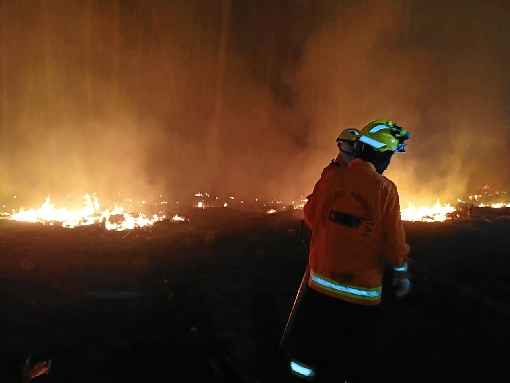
396,249
308,211
310,208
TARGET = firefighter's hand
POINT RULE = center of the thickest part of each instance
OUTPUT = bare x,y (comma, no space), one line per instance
401,281
402,286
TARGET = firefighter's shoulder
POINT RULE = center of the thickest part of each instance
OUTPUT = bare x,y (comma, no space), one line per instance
331,168
389,185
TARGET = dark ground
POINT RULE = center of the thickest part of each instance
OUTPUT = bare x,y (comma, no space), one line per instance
209,299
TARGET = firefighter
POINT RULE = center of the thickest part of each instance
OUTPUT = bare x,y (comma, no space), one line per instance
354,217
347,142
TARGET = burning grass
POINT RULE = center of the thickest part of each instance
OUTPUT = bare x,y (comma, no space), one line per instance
90,213
435,213
120,218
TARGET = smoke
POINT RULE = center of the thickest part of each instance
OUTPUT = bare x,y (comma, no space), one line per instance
440,70
125,96
246,97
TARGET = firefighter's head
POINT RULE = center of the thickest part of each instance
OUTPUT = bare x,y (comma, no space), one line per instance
378,140
347,143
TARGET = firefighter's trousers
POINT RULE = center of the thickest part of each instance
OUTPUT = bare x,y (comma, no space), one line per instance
333,340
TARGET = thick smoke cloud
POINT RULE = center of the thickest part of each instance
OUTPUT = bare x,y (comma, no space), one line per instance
144,97
438,68
138,97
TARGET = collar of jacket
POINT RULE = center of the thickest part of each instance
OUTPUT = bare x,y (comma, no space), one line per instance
359,162
339,161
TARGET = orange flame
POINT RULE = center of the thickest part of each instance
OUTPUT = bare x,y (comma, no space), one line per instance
497,205
91,213
435,213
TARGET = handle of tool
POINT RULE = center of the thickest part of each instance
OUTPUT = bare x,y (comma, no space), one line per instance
299,295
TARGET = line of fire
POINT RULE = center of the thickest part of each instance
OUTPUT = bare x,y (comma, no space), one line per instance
254,191
118,218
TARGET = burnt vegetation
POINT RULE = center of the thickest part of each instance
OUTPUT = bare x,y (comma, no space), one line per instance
208,299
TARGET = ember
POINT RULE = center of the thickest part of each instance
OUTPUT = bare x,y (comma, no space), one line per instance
178,218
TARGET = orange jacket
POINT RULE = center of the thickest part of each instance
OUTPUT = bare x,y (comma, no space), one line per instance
354,216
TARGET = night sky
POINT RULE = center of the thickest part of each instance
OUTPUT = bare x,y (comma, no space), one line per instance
247,96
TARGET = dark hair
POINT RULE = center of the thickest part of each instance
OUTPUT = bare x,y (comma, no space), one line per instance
380,160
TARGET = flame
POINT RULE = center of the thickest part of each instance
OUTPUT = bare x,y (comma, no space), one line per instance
497,205
178,218
435,213
475,197
119,219
89,214
300,205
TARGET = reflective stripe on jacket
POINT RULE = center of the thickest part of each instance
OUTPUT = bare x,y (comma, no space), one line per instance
354,216
355,294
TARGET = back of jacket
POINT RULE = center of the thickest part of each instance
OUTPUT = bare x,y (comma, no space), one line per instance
354,216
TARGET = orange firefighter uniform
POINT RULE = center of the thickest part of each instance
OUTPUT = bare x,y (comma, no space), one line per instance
354,217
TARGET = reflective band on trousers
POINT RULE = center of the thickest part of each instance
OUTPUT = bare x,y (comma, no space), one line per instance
301,369
341,289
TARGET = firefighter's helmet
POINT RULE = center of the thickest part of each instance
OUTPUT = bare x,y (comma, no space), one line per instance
384,136
348,135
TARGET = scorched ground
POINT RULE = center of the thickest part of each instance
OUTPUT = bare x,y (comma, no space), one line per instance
208,298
